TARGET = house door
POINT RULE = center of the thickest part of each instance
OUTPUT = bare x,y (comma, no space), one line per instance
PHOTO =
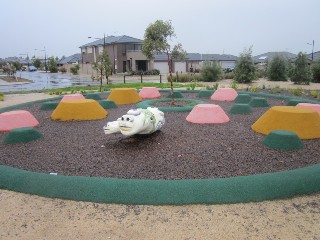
141,65
124,66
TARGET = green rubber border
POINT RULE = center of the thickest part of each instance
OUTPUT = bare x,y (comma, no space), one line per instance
253,188
148,103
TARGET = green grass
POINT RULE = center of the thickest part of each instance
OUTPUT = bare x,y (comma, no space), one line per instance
105,87
1,96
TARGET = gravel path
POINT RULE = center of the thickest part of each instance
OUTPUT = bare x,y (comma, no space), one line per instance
181,150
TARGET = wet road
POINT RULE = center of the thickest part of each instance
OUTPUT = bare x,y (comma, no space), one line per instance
43,80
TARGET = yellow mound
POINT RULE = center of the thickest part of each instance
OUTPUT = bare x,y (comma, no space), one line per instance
124,96
86,109
304,122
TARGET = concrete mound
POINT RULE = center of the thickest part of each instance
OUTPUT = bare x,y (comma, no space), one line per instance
205,93
315,107
17,119
149,93
106,104
124,96
242,98
258,102
86,109
49,105
94,96
304,122
283,140
224,94
72,97
22,135
240,108
207,113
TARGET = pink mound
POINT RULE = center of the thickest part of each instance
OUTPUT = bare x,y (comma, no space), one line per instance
72,97
149,92
315,107
17,119
224,94
207,113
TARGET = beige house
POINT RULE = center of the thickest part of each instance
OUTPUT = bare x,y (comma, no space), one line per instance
124,52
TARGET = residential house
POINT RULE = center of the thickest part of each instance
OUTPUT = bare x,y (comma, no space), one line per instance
124,51
314,57
262,59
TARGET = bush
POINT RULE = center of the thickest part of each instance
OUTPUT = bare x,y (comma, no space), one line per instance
229,75
184,77
1,96
277,69
296,91
75,69
63,70
211,72
315,68
52,65
148,72
245,69
300,72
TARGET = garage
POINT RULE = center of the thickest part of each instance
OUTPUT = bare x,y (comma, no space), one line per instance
162,67
180,67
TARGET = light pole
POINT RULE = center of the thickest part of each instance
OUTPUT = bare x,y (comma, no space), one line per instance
45,57
312,49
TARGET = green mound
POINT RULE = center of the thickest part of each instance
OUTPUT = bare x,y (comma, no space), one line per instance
94,96
283,140
22,135
294,102
107,104
240,108
205,93
173,108
175,95
49,105
243,98
258,102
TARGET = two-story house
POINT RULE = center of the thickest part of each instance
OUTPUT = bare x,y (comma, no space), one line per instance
124,51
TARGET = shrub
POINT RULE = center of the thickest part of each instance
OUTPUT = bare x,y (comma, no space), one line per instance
52,65
275,89
63,70
245,69
253,89
277,69
315,68
296,91
234,84
228,75
75,69
211,72
315,94
300,72
1,96
184,77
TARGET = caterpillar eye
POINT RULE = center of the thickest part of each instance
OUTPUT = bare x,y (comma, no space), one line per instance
122,118
128,119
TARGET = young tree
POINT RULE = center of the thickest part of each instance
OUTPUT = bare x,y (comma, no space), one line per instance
315,68
36,62
52,65
156,39
244,71
75,69
211,72
103,66
300,72
277,69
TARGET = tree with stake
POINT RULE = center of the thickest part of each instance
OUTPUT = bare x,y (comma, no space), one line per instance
103,66
156,39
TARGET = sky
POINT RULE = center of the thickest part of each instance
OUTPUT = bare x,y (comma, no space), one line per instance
203,26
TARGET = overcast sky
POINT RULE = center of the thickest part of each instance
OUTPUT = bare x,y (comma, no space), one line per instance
201,26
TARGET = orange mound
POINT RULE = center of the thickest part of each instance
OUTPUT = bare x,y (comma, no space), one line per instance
304,122
224,94
149,92
86,109
207,113
17,119
124,96
72,97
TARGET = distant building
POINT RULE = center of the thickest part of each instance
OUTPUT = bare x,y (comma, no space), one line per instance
267,57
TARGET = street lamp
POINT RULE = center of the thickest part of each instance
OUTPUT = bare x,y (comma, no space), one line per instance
45,57
312,49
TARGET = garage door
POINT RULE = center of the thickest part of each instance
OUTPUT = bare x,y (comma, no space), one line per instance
162,67
180,67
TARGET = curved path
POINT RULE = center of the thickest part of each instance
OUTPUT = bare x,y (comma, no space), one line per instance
24,216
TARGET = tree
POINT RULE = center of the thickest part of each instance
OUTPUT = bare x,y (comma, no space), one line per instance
17,65
52,65
315,68
244,71
211,72
300,72
36,62
75,69
277,69
103,66
156,39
